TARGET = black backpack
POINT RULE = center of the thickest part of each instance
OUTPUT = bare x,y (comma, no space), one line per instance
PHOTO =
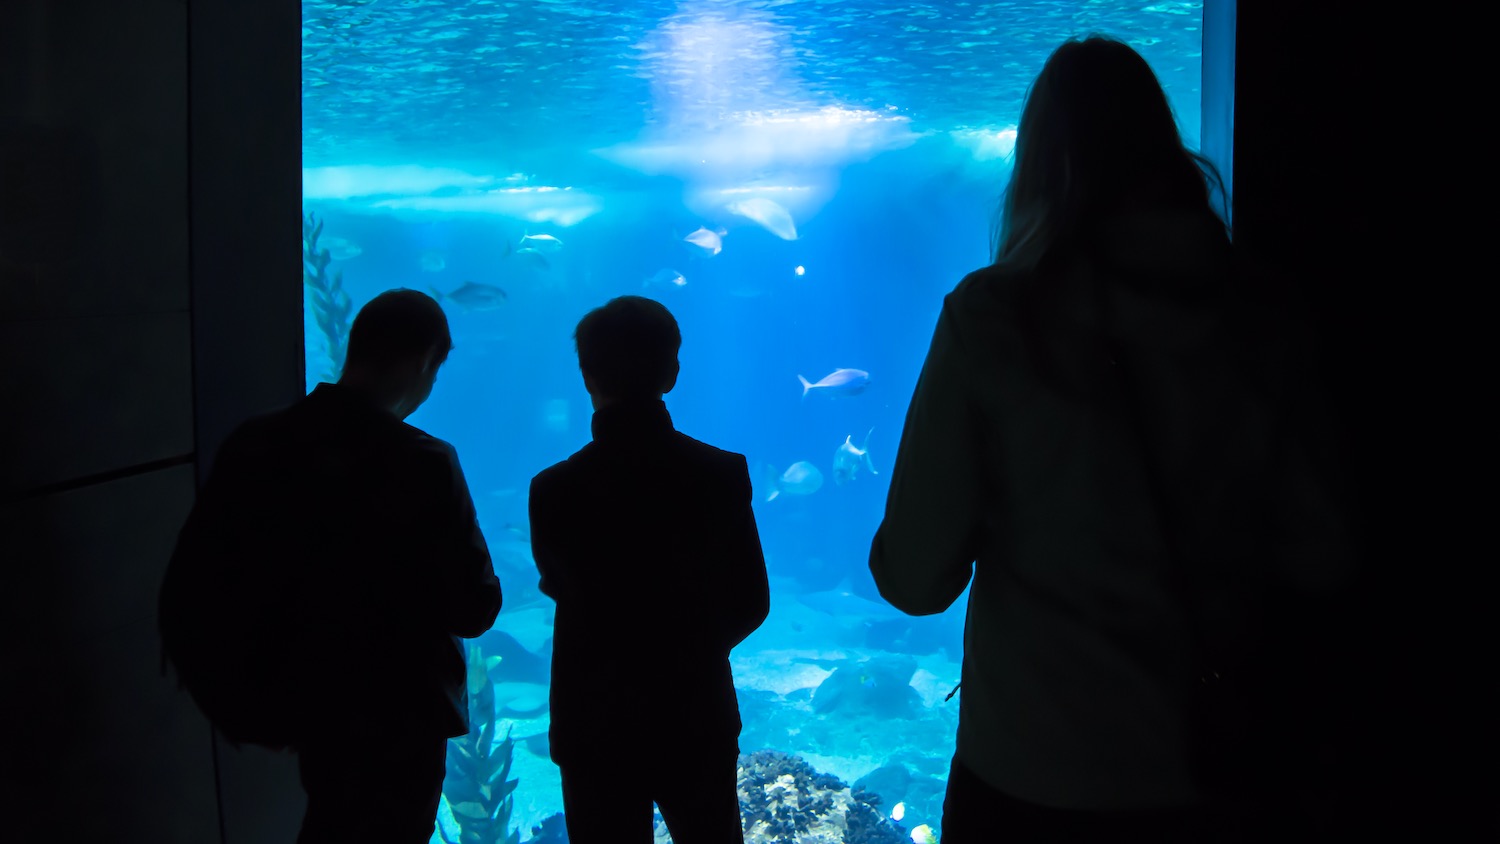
226,620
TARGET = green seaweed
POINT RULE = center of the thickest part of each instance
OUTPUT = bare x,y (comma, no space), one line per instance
331,306
477,786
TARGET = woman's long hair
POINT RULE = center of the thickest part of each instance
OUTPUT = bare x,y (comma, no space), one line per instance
1097,131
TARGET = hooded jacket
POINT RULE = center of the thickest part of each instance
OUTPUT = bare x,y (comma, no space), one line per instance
1022,465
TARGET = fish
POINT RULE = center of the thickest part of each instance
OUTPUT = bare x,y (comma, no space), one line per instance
898,812
473,296
666,277
801,478
513,663
843,603
433,262
771,217
848,459
520,700
710,242
538,746
840,382
529,256
477,671
923,835
541,243
340,249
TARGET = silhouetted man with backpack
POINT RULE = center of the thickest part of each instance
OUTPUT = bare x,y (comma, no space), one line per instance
319,586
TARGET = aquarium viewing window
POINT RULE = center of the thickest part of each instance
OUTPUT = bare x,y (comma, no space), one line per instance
800,182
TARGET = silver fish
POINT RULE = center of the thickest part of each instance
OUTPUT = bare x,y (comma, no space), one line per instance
709,241
848,459
340,249
473,296
801,478
541,243
667,277
842,602
840,382
529,256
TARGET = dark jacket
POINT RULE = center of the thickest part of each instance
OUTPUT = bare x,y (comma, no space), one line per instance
366,527
646,540
1078,672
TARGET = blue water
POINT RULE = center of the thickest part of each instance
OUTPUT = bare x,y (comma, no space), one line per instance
437,132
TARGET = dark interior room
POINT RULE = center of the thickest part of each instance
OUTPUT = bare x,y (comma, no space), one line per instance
151,298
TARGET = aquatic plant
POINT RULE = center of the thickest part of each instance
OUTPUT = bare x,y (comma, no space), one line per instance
476,786
330,304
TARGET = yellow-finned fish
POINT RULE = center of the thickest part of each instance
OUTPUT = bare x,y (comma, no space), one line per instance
924,835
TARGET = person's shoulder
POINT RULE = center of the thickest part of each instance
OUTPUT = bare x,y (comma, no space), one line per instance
563,471
263,430
982,308
708,454
986,291
418,442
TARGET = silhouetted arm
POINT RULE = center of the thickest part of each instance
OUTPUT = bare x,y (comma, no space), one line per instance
747,595
546,544
924,551
471,591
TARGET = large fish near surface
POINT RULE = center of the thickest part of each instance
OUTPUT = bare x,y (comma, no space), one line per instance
473,296
771,216
848,459
801,478
840,382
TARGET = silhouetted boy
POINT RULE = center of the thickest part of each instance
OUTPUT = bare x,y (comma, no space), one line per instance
358,532
646,540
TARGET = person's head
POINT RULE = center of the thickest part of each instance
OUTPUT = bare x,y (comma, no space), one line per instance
1096,134
627,350
397,342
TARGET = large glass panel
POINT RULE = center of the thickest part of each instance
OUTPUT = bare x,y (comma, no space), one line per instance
800,182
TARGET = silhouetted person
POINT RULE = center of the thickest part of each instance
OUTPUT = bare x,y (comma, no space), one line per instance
359,533
1114,434
646,540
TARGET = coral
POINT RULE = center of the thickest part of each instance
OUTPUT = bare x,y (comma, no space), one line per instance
330,304
476,786
783,800
920,785
866,823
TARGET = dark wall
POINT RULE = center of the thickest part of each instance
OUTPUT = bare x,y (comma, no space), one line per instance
1340,171
96,400
150,296
245,105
